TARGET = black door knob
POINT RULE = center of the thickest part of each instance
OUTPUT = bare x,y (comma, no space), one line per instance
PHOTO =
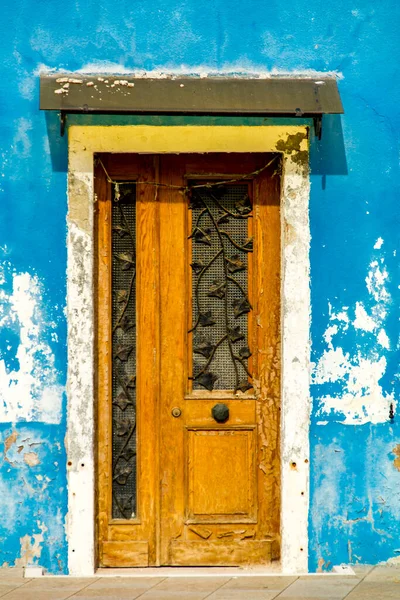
220,413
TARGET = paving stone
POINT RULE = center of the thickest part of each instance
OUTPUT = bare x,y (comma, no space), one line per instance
157,594
380,583
386,573
38,594
243,594
11,573
375,590
362,570
320,587
270,584
62,583
8,587
110,592
99,596
125,582
315,597
9,584
192,584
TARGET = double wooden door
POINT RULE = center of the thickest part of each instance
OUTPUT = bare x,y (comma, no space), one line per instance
188,359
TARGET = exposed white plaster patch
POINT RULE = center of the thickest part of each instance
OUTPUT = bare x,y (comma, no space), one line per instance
383,339
358,373
376,280
22,143
29,390
363,320
378,244
340,316
238,70
332,366
26,86
363,400
329,334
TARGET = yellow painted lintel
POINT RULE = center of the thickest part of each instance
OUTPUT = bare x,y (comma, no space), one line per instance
152,139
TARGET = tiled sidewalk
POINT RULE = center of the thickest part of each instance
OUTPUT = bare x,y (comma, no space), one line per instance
378,583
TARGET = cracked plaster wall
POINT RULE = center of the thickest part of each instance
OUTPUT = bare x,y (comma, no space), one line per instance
354,216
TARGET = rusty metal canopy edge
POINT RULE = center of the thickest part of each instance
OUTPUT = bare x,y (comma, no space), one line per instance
281,96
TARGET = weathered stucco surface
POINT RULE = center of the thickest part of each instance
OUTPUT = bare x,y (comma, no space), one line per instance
354,217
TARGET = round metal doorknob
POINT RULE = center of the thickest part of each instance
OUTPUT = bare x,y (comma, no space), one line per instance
220,413
176,412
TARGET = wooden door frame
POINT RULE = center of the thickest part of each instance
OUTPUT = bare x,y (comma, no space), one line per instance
292,143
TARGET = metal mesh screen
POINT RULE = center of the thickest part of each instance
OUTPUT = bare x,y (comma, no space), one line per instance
124,352
220,248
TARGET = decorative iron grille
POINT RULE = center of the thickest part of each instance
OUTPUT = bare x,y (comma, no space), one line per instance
124,497
220,249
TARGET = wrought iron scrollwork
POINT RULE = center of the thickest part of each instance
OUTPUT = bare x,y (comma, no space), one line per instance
124,352
220,246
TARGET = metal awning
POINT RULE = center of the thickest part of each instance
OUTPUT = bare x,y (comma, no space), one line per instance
274,97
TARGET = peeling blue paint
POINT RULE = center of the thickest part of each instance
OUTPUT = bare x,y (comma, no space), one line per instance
33,496
355,490
355,502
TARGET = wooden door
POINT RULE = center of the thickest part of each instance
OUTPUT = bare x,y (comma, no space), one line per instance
188,359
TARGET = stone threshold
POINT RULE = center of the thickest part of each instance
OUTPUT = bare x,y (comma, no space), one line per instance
181,572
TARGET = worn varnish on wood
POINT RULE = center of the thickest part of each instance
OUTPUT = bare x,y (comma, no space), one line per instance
208,492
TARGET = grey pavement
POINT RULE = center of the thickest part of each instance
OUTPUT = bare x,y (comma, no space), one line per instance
368,583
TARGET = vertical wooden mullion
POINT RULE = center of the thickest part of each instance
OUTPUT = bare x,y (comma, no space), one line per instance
103,311
173,311
147,293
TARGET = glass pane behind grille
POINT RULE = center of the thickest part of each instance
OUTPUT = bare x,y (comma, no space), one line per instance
124,353
220,249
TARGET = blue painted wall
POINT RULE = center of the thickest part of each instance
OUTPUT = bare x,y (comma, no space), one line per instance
355,486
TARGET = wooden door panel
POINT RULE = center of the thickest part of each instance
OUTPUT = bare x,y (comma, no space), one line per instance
221,475
221,553
222,515
207,491
125,554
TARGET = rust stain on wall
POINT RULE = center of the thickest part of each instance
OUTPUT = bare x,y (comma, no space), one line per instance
9,441
31,547
323,565
31,459
396,451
